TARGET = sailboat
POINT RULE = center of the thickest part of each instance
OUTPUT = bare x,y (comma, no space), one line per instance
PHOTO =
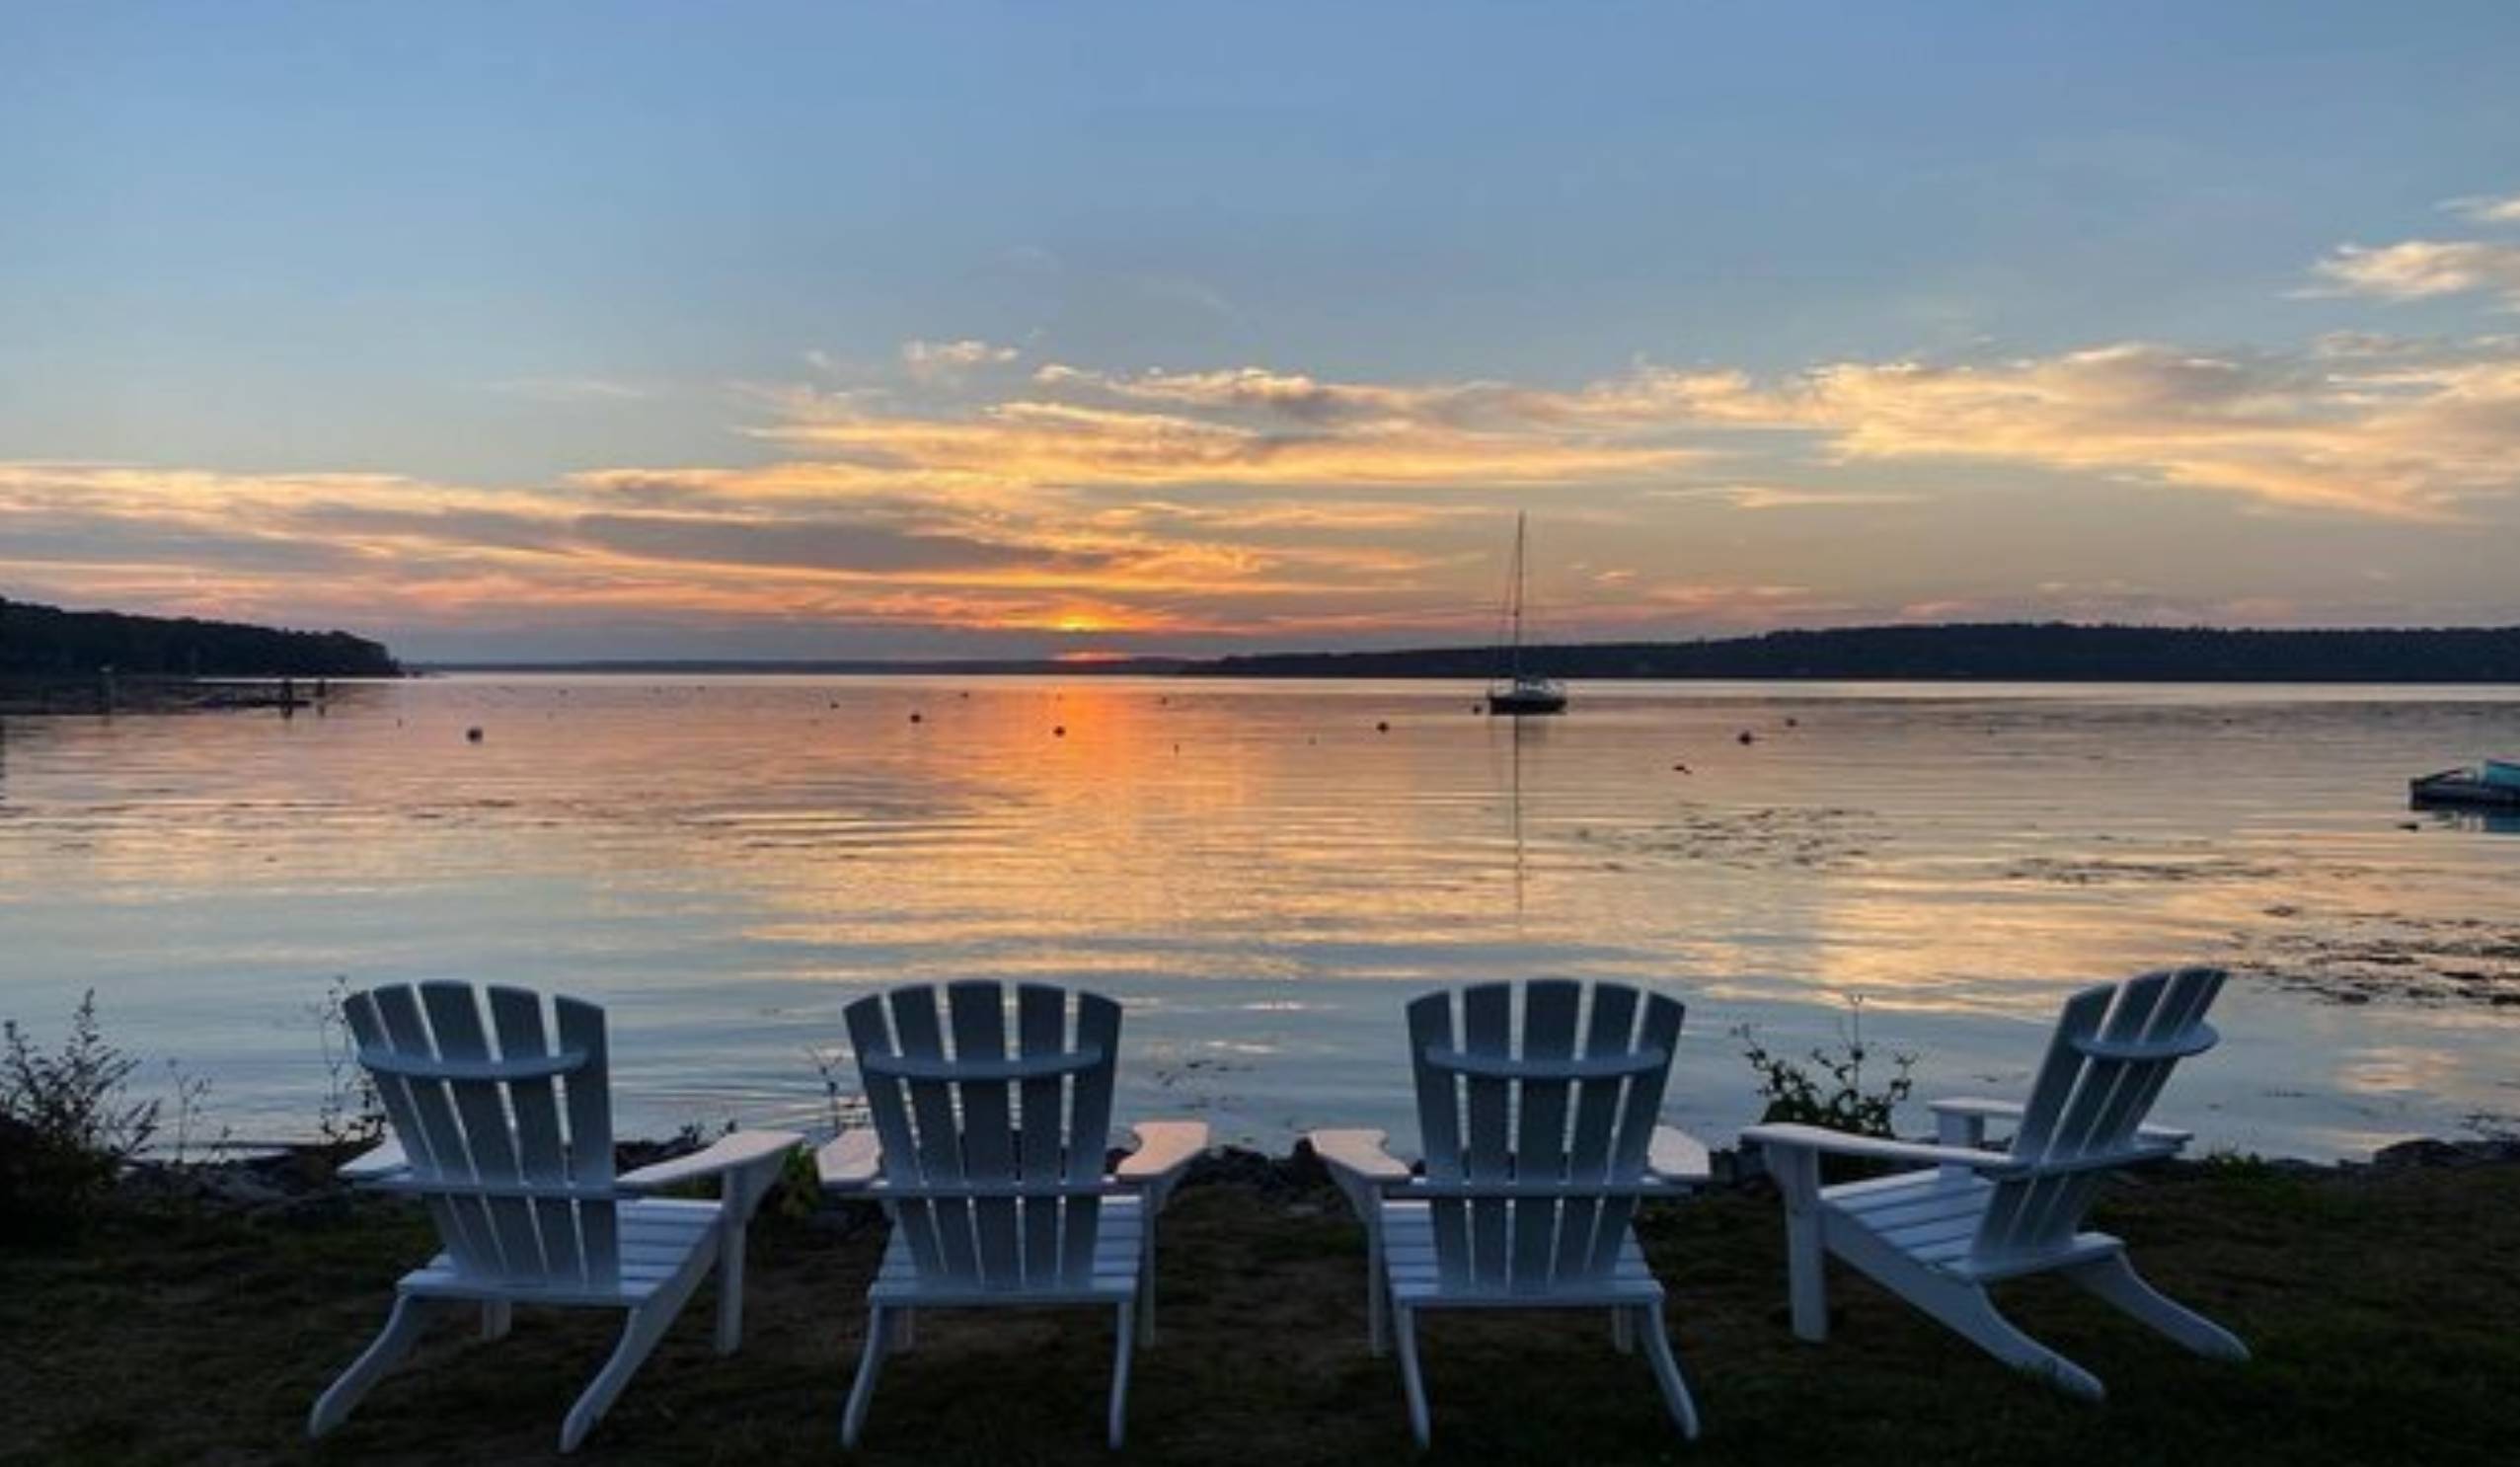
1519,693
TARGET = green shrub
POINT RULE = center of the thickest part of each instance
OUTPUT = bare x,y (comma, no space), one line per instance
1833,1094
67,1125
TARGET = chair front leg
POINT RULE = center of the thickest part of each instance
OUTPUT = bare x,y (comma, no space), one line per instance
403,1329
1412,1382
741,1194
1120,1357
639,1333
1146,1267
853,1417
1377,1281
1666,1372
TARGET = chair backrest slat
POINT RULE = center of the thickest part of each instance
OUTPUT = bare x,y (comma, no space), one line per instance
513,1201
1040,1136
455,1021
1540,1130
1089,1131
366,1020
888,1107
2114,1047
517,1016
1606,1035
920,1034
1632,1140
1032,1127
586,1097
473,1247
988,1124
1430,1028
1568,1130
1487,1030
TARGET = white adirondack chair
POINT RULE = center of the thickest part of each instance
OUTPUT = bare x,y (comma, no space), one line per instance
1974,1215
528,1209
991,1165
1526,1203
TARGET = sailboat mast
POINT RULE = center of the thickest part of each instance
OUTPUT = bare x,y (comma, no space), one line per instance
1516,665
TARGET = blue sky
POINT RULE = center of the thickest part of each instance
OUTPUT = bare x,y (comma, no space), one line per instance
802,329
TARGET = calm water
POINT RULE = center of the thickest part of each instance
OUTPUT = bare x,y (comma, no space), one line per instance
1263,877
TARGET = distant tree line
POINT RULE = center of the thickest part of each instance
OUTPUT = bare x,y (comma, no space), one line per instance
47,641
2018,651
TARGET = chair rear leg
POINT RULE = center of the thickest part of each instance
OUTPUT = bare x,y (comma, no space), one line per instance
1403,1323
1807,1255
498,1318
1122,1353
403,1329
731,1251
2114,1279
1623,1331
853,1419
1666,1372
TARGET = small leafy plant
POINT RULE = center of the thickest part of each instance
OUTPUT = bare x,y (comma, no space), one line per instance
1833,1093
68,1125
351,1117
192,1096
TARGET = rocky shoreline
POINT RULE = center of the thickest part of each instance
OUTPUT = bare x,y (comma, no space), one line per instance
297,1185
39,697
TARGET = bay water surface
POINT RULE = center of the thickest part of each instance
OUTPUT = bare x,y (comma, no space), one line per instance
1263,872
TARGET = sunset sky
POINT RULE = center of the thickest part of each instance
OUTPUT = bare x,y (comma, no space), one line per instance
944,329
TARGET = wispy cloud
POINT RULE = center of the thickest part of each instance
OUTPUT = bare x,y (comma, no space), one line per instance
2417,269
2409,438
2487,208
1783,495
1046,442
950,362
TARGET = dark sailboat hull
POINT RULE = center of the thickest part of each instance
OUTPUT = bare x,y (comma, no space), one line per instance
1525,703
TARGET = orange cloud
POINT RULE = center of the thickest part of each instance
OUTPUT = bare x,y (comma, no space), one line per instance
1256,501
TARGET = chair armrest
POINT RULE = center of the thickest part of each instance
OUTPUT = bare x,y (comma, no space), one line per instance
849,1161
379,1161
1358,1157
1165,1149
1789,1136
744,1149
1983,1108
1677,1156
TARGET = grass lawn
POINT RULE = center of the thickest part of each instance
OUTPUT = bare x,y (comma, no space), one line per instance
2384,1309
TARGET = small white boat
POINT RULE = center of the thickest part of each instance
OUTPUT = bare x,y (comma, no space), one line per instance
2493,784
1519,694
